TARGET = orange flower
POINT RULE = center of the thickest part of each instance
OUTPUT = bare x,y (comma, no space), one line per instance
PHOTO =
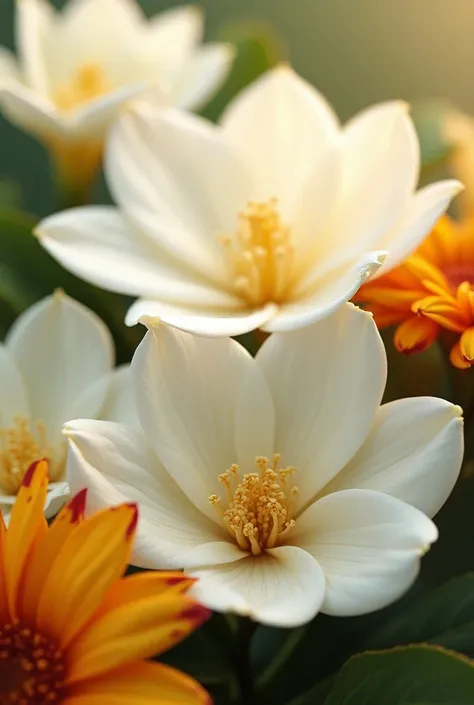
431,290
72,631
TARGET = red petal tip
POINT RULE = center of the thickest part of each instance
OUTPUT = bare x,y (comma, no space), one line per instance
30,473
132,527
196,613
77,506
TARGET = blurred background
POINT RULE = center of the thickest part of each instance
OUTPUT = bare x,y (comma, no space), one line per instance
355,51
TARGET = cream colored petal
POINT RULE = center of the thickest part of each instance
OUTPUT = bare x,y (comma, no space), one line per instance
82,239
202,320
413,452
284,587
31,112
380,161
424,209
323,293
327,382
283,124
61,347
116,465
186,389
34,25
181,183
9,68
14,396
369,546
206,73
120,402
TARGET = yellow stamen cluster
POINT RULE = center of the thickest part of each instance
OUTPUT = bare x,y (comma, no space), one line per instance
262,254
32,668
259,504
88,82
19,447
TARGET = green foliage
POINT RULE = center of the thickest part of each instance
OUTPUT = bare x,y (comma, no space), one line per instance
415,675
28,273
429,117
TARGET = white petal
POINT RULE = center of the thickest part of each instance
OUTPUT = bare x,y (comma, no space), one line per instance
116,465
206,73
284,125
34,22
13,397
93,119
9,69
120,402
324,295
201,320
61,347
413,452
380,155
424,209
82,239
186,391
369,546
327,382
58,494
31,111
180,182
172,37
284,587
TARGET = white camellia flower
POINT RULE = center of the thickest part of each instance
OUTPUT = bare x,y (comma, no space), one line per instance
57,361
271,219
77,67
278,481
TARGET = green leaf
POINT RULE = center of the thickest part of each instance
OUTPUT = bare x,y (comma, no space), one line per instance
444,616
28,273
258,49
413,675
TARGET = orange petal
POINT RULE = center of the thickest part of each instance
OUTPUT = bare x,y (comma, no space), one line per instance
466,344
446,312
143,585
465,297
45,554
135,630
423,269
383,315
27,525
141,683
3,588
399,299
90,561
415,334
456,358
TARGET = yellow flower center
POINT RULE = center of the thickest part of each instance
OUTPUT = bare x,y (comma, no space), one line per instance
262,254
21,445
88,82
32,668
258,510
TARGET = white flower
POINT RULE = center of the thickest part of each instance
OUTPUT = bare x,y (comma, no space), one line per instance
57,361
76,68
269,220
277,480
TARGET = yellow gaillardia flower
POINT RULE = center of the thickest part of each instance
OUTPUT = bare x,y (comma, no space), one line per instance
72,631
433,289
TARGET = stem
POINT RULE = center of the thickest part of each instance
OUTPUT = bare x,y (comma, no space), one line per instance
243,669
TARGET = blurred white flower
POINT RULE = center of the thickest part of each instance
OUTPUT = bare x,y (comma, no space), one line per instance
269,220
279,480
57,361
77,67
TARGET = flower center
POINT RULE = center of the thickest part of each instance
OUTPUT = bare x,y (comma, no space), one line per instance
19,447
32,668
262,254
88,82
258,510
